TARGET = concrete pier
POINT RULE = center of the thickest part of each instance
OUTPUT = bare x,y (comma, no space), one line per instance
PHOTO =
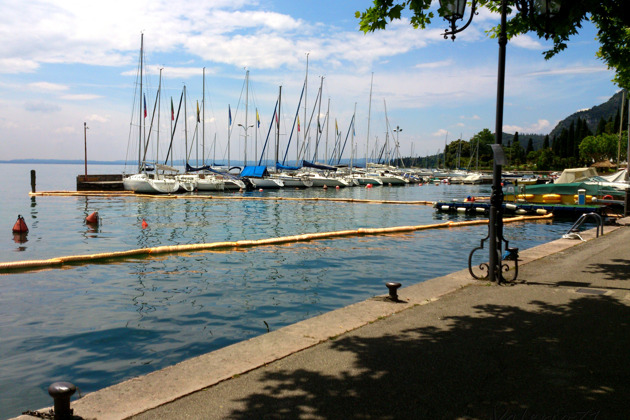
554,344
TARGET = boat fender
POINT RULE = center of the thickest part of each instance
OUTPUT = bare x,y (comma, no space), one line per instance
480,210
461,209
92,219
521,211
607,197
446,208
511,206
541,211
20,225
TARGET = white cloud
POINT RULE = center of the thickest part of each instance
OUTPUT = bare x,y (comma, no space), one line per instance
96,118
38,106
440,133
527,41
539,127
17,65
46,86
81,97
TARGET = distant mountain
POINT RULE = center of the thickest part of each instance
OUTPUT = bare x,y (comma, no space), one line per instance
591,116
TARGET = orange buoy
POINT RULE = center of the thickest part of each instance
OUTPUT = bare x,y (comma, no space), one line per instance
92,218
20,225
144,224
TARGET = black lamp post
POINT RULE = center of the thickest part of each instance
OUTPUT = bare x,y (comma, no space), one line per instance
454,10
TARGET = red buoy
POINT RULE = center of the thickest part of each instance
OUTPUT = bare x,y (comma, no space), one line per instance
337,187
260,190
144,224
368,186
92,218
20,225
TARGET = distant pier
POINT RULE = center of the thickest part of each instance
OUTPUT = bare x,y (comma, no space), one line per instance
109,182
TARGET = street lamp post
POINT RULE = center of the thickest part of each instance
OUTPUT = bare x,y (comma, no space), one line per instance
454,11
245,128
397,131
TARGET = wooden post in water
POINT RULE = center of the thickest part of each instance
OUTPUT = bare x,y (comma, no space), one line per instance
33,176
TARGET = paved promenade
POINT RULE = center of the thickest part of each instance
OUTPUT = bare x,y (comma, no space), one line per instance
554,346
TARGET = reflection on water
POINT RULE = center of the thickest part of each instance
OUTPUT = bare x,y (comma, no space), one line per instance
99,324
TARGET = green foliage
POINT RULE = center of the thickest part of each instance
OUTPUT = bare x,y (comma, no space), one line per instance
598,148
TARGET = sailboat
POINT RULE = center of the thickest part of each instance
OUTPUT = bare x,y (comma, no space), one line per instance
144,181
259,175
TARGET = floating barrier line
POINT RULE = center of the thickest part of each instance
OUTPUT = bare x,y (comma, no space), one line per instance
218,197
169,249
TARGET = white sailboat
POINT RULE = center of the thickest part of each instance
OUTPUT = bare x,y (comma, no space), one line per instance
144,181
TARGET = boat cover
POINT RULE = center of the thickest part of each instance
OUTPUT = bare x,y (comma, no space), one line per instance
570,188
193,169
318,166
287,168
255,171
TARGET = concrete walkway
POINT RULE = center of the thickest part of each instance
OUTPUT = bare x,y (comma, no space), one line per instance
555,345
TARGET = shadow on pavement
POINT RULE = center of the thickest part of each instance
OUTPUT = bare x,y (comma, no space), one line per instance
569,361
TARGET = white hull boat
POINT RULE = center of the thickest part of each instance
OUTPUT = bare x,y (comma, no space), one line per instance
144,184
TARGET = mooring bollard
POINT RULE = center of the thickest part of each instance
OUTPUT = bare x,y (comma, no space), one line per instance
61,393
33,178
393,287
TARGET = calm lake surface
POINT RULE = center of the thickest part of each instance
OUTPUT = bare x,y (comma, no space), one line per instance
98,324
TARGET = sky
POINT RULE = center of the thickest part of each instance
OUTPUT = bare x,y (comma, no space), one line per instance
64,63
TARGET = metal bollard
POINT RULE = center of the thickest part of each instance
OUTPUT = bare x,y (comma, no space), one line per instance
61,393
393,287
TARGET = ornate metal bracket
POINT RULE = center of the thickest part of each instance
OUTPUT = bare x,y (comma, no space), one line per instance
507,269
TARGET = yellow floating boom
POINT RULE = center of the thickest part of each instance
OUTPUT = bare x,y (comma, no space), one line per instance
85,259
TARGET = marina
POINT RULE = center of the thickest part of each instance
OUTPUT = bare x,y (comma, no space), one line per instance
98,324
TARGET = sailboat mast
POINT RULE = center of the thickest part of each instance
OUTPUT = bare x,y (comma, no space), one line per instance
203,123
305,130
157,145
327,124
140,142
246,104
185,129
367,140
278,123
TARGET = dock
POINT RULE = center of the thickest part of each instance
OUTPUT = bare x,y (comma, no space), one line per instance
483,207
108,182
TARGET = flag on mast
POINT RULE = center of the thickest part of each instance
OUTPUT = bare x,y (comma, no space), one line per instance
145,106
298,123
230,114
258,118
172,110
198,119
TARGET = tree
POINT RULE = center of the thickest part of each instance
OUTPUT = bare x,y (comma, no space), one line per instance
610,17
598,148
530,146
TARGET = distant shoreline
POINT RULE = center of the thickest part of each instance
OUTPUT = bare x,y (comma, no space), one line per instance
64,162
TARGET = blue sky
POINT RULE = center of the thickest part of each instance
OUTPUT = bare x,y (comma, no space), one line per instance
66,62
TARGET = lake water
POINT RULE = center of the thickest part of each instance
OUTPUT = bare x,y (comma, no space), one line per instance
98,324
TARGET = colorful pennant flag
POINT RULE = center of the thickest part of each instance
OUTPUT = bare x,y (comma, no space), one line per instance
198,120
172,110
298,124
145,106
258,118
230,114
